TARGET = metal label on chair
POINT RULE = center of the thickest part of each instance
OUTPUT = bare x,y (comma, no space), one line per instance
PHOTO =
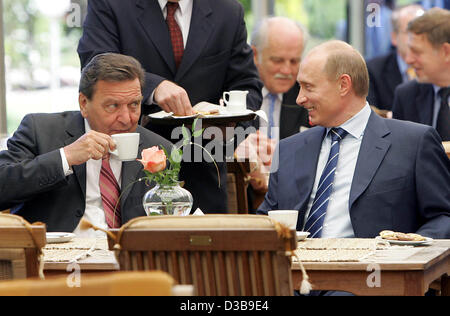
200,240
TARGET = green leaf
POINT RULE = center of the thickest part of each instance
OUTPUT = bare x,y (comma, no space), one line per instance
186,135
194,125
176,156
197,133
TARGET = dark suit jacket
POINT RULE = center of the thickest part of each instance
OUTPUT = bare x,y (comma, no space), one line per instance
32,181
217,58
414,102
384,77
400,182
292,116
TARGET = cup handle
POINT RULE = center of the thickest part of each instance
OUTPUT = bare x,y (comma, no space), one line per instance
114,152
225,94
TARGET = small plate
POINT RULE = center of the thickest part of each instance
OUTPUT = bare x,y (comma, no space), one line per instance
56,238
302,235
425,242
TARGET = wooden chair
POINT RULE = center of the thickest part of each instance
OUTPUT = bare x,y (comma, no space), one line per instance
20,248
221,255
155,283
447,148
237,184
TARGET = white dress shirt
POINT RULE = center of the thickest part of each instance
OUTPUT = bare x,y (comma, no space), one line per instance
94,212
337,222
265,106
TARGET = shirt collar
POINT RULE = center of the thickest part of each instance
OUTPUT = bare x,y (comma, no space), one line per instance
265,93
87,127
402,65
356,125
182,3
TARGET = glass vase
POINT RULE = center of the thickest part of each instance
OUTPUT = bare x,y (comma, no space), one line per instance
167,200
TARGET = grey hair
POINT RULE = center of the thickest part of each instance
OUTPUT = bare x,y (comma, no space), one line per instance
397,13
260,33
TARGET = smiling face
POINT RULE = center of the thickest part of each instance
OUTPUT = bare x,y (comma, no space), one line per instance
428,61
278,60
319,95
115,107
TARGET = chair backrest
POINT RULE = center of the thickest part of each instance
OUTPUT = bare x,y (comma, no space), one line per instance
20,247
112,284
447,148
237,184
221,255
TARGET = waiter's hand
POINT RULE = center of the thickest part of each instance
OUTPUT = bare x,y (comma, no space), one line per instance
92,145
173,98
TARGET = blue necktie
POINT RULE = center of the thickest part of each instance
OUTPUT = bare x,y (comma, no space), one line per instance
272,99
314,222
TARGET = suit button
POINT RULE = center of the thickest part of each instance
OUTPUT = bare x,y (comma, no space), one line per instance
79,213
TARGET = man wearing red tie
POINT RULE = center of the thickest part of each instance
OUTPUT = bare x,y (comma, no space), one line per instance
58,169
192,51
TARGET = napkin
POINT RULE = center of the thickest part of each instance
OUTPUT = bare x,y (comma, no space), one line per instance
198,212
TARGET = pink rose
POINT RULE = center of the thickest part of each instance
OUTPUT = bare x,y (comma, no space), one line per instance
153,159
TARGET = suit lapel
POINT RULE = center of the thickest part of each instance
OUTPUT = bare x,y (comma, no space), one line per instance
425,104
199,32
75,129
306,159
152,21
373,149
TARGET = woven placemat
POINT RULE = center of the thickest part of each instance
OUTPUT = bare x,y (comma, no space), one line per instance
81,244
332,255
341,243
75,250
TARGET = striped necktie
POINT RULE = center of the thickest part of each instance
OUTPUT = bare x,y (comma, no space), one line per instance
272,99
443,121
314,222
176,37
110,192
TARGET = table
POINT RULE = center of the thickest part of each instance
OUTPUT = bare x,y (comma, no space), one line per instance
395,271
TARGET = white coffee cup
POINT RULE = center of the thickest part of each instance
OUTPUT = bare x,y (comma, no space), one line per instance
286,217
236,101
127,146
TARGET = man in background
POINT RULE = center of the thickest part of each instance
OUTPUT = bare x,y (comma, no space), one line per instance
426,100
278,44
388,71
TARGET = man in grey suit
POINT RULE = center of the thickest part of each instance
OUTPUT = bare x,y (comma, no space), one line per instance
52,170
356,174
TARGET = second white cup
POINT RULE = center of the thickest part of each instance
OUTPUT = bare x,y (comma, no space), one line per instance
286,217
236,101
127,146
